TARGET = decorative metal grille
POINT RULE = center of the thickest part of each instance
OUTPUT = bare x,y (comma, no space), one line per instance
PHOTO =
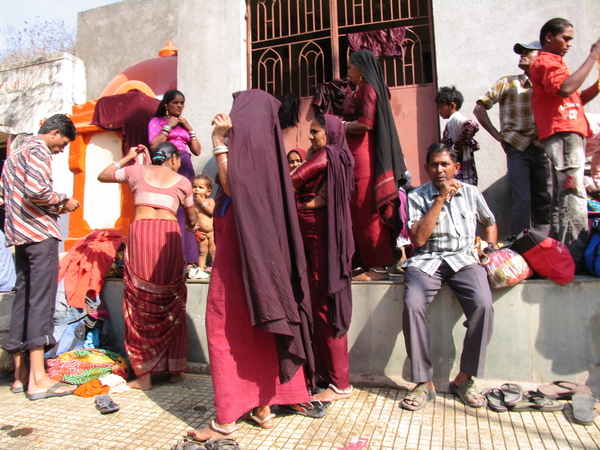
293,45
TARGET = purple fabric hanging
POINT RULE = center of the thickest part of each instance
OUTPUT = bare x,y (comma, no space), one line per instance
386,42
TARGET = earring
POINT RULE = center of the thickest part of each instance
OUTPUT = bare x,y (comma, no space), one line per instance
361,78
167,115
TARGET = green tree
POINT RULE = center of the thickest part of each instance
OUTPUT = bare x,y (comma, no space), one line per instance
36,40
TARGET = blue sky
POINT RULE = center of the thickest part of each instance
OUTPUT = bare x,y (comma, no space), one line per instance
16,12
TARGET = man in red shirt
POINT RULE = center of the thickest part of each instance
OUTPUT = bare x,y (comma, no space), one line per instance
563,128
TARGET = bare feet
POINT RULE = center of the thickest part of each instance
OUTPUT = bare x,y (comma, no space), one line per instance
215,431
374,274
331,394
262,416
144,383
176,377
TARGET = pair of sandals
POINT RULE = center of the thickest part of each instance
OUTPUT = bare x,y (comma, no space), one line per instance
583,401
511,397
421,395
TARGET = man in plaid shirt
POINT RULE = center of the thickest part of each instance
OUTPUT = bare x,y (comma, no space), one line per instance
442,222
528,165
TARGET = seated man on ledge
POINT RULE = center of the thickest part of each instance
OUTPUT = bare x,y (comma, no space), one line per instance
443,217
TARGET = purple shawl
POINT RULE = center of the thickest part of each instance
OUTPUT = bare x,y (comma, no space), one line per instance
272,253
340,241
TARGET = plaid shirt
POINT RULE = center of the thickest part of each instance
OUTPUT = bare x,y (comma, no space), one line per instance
26,193
516,115
455,231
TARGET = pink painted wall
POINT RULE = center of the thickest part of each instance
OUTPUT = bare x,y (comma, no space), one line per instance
416,120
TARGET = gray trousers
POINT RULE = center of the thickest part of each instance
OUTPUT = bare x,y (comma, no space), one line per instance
472,289
569,199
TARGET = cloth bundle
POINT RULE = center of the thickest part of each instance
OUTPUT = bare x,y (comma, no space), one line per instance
80,366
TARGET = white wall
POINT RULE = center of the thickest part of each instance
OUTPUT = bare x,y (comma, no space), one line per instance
211,65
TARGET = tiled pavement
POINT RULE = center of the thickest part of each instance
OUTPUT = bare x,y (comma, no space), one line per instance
155,419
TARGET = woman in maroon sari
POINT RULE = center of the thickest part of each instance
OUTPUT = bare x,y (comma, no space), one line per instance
323,186
379,169
155,295
258,316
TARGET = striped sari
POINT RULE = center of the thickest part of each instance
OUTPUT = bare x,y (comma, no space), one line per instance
156,338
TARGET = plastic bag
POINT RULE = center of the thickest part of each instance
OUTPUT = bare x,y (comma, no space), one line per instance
506,268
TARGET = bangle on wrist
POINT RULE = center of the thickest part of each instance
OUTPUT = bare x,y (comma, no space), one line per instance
221,162
192,133
117,165
165,133
167,128
220,150
203,205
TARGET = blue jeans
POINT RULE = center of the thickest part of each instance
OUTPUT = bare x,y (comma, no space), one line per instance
529,174
569,200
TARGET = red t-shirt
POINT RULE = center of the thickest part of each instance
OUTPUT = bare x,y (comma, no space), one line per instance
552,112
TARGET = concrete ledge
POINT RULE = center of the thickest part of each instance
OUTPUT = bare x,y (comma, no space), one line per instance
542,332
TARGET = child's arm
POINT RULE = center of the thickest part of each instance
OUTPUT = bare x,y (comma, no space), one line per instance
466,136
207,205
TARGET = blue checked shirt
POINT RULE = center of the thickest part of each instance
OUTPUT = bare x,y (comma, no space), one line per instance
455,231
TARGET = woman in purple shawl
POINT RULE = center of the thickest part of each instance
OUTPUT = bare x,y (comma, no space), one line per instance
258,315
323,186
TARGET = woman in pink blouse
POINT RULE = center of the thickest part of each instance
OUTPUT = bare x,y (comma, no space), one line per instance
168,125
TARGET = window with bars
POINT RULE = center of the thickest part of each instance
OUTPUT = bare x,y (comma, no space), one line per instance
295,44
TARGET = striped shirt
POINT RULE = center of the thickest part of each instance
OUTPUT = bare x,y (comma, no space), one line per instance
26,193
455,231
517,125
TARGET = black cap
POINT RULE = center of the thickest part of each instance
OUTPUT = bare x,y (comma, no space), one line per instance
535,45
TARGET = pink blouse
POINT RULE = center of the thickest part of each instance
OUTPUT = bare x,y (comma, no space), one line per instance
162,198
178,136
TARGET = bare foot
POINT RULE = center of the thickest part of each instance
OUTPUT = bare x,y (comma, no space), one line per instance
215,431
373,275
329,395
143,383
262,416
176,377
43,386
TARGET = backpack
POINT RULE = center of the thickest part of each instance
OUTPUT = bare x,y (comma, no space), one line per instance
592,262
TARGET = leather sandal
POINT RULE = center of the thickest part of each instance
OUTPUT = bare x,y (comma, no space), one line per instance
421,395
467,392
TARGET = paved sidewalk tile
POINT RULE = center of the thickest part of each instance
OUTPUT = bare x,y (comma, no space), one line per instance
157,418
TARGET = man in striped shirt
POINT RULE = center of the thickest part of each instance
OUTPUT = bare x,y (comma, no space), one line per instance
442,224
528,165
32,209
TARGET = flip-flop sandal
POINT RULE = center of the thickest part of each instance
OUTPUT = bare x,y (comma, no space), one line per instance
513,393
583,408
495,399
18,390
259,421
467,391
562,389
51,392
308,409
534,401
421,394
